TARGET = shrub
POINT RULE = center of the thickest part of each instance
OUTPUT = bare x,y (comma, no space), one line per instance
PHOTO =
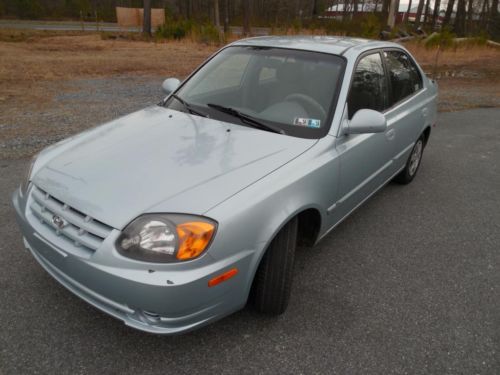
444,39
198,32
206,33
172,29
370,26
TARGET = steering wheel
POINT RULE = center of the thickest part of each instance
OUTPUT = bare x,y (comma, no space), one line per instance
310,105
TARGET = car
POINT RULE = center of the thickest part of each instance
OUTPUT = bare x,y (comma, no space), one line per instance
182,213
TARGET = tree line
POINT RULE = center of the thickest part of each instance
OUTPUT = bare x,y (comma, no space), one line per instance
463,17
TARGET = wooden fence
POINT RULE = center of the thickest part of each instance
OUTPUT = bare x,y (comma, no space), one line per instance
133,17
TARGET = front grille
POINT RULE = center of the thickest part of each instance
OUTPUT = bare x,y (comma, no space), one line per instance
74,226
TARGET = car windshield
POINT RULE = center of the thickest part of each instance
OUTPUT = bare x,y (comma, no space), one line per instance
274,88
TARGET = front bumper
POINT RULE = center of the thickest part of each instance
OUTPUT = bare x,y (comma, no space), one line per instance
156,298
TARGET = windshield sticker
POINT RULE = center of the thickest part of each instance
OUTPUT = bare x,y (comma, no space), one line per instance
309,122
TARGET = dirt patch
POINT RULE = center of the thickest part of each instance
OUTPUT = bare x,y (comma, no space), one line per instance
55,84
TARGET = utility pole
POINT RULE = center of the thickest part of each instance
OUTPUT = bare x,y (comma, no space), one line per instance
146,24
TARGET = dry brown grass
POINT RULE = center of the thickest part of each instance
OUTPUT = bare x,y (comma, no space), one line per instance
67,57
482,58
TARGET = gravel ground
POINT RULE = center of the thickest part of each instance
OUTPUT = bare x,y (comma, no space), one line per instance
409,284
75,106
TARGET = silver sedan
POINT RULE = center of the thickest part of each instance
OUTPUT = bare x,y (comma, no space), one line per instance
179,214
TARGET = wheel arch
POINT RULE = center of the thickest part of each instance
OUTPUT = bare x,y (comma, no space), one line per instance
309,226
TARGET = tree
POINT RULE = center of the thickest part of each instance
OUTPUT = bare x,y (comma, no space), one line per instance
435,14
426,12
314,12
459,26
484,12
470,16
146,25
217,14
391,18
385,8
408,11
494,20
246,17
226,16
419,12
449,11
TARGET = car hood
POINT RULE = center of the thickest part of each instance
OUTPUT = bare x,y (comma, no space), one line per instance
160,160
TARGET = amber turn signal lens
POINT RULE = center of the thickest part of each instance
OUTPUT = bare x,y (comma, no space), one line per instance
225,276
194,237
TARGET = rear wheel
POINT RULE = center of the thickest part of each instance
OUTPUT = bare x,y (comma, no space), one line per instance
273,281
412,164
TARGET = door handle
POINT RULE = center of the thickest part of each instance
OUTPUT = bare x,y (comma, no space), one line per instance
390,134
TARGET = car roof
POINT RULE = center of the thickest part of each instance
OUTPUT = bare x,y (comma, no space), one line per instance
336,45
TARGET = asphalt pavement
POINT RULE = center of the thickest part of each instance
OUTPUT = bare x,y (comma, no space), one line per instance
409,284
99,26
64,26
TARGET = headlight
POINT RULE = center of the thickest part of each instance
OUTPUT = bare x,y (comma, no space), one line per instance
166,238
27,176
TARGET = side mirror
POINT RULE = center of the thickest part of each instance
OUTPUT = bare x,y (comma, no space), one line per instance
366,121
169,85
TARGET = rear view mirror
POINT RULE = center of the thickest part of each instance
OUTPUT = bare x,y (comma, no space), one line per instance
366,121
170,85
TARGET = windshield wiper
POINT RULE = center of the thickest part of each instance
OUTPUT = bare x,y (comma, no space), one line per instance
246,118
188,106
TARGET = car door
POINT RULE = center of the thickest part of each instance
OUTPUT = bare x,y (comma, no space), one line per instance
365,159
407,108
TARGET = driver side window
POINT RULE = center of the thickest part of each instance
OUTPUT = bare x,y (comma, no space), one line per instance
368,86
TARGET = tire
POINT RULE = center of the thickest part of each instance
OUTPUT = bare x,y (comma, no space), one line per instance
273,281
412,164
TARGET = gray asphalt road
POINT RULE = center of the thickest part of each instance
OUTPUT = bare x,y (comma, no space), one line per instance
102,26
64,26
409,283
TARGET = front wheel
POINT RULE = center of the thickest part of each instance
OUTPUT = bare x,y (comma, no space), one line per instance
412,164
273,281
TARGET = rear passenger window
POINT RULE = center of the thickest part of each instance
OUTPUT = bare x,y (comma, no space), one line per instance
369,86
404,76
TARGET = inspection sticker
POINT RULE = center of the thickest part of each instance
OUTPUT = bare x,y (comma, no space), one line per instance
309,122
